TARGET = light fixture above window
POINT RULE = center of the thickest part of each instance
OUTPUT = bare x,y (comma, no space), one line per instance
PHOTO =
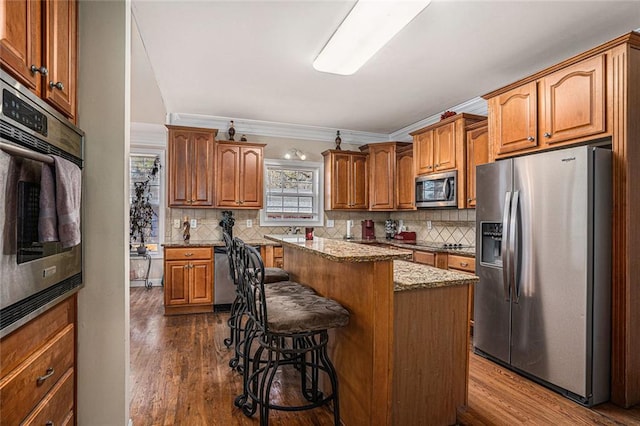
368,27
295,153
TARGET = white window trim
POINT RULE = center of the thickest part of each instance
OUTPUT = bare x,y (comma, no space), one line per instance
161,214
318,170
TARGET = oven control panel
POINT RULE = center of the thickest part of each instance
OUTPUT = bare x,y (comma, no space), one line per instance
20,111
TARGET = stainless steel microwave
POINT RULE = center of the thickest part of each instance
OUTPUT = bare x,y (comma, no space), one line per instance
437,190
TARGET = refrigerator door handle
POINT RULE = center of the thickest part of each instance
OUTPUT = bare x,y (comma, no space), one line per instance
513,245
505,245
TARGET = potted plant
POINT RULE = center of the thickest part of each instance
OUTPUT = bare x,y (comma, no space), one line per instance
140,211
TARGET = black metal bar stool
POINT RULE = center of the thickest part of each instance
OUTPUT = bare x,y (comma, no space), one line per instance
289,330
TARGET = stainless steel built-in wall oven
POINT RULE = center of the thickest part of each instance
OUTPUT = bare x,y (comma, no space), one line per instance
35,273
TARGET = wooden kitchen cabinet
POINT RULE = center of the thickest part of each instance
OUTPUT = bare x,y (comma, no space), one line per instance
37,369
477,153
390,183
188,280
464,264
273,256
239,175
346,180
38,47
441,147
190,166
561,107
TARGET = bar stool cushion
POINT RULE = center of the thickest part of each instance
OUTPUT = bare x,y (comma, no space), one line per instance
304,313
272,275
287,288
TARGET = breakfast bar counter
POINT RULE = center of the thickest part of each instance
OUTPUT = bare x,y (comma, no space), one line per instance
403,358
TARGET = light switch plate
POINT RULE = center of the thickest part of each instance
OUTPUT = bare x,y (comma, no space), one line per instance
194,223
330,223
249,223
429,225
176,223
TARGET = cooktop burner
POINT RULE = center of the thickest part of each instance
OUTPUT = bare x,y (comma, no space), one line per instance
455,246
448,246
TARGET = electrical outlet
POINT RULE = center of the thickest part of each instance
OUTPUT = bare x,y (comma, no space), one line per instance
429,225
194,223
176,223
249,223
330,223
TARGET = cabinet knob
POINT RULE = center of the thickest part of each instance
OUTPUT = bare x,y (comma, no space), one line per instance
57,85
42,70
437,165
50,372
429,167
531,139
188,254
547,135
464,264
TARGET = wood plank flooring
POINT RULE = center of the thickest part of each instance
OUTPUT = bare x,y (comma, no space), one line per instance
180,376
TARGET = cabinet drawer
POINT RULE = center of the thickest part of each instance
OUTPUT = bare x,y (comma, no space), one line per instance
19,345
57,405
188,253
27,384
426,257
462,263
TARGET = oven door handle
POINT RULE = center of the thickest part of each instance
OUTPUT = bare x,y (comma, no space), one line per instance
26,153
448,187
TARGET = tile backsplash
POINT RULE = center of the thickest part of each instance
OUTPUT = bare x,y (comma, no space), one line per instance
450,226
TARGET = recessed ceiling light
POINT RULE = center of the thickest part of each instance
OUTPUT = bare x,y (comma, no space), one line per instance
368,27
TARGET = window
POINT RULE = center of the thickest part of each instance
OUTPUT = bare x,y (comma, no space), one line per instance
293,193
141,166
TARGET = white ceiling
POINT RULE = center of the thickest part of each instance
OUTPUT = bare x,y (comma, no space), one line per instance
253,59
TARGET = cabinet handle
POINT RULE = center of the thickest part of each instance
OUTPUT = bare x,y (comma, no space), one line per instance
188,254
57,85
464,264
429,167
547,135
50,372
531,139
49,423
42,70
437,165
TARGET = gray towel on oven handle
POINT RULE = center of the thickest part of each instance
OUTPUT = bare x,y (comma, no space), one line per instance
68,192
48,219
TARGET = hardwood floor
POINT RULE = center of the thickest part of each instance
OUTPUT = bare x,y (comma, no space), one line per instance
180,376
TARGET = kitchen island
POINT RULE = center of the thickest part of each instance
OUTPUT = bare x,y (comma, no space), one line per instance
403,358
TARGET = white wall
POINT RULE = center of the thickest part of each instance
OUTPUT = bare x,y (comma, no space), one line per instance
103,304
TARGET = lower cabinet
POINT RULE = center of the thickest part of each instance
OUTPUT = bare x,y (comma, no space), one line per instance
188,280
464,264
272,256
37,369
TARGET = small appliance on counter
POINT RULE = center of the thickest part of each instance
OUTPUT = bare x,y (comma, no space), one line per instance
368,230
349,235
406,237
390,228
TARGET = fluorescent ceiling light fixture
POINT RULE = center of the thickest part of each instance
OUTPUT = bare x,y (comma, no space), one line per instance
368,27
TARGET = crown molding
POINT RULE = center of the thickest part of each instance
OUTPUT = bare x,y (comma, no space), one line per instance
148,135
268,128
476,106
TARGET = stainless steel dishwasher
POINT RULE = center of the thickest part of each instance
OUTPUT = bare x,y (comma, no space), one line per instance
224,287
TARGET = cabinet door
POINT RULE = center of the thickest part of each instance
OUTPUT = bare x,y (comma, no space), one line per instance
477,153
60,55
405,182
176,283
179,168
340,177
515,119
444,147
382,167
200,282
202,159
20,41
572,102
228,176
359,182
423,152
251,188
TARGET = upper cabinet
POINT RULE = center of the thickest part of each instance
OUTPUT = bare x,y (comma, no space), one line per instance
38,47
441,147
190,166
556,108
391,180
345,180
239,175
477,153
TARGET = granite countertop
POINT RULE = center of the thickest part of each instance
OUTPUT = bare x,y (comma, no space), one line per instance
412,276
219,243
340,250
419,245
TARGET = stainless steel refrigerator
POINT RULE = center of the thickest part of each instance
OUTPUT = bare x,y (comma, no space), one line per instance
543,303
